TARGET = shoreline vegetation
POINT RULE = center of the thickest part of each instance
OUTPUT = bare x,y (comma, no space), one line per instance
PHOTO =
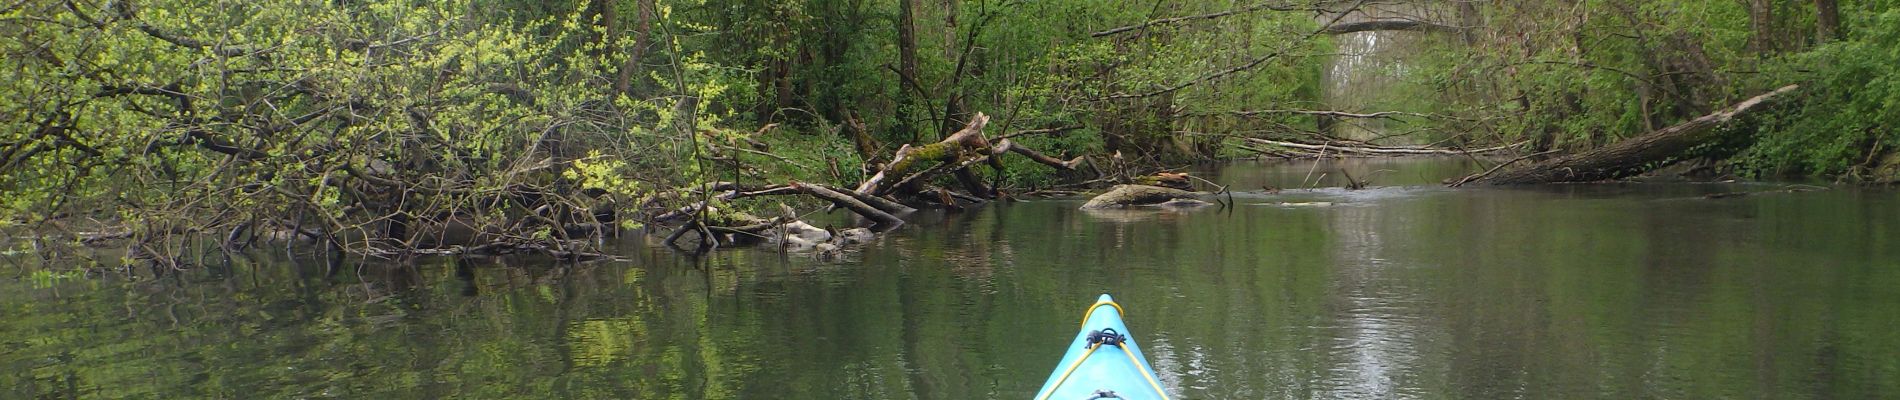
487,127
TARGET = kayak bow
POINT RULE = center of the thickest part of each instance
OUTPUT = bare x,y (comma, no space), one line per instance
1103,361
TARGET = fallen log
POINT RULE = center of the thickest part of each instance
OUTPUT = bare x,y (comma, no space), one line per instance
880,203
1634,155
1007,146
876,209
1141,195
1375,151
1285,155
909,160
1171,180
913,166
883,219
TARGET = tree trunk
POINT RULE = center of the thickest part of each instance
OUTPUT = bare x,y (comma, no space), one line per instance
1631,156
1827,20
952,111
884,220
642,35
609,39
950,29
1468,21
907,38
1761,20
907,66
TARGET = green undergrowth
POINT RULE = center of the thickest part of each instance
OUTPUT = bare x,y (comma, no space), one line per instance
1846,121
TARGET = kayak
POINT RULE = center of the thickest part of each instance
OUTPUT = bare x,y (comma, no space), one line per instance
1103,361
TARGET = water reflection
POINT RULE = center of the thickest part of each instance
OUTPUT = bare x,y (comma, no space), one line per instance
1376,346
1580,291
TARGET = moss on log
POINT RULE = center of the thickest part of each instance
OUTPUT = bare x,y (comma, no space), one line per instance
941,152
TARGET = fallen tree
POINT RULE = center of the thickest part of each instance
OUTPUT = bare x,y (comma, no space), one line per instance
912,166
900,186
1631,156
1367,150
879,210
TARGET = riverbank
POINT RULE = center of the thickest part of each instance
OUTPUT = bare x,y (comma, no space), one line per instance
822,232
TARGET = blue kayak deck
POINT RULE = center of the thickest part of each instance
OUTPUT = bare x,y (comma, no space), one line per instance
1088,370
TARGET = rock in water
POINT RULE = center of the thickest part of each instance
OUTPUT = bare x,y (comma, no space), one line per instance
855,236
798,234
1138,195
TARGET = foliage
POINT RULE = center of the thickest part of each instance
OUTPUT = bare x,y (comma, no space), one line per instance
361,119
1584,75
376,123
1843,127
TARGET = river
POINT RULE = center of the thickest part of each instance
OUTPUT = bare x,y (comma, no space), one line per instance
1403,290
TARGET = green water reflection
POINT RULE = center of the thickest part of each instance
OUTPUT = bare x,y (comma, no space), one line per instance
1581,291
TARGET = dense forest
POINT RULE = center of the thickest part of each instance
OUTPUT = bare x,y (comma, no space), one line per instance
380,127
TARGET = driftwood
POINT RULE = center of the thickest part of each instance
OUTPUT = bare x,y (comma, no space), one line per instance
1634,155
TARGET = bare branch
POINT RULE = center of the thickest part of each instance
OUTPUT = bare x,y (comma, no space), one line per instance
1337,114
1039,131
1389,25
1165,21
1006,145
1243,67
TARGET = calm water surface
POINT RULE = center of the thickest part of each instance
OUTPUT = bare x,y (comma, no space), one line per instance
1404,291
